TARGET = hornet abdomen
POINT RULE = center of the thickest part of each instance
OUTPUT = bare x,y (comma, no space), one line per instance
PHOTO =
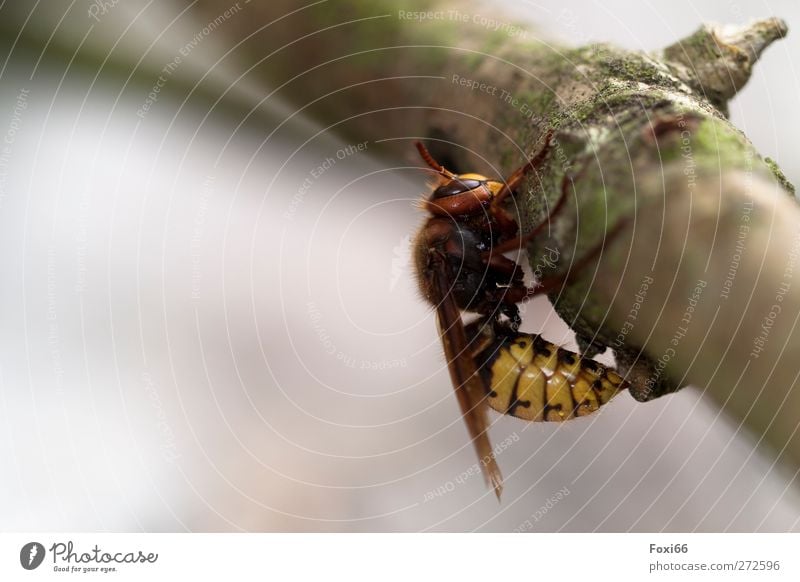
533,379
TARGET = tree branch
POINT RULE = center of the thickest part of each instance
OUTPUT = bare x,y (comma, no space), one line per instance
698,288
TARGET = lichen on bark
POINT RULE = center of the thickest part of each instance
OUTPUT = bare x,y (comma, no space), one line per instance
643,117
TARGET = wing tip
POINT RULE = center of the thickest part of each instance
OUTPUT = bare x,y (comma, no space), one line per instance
498,490
494,479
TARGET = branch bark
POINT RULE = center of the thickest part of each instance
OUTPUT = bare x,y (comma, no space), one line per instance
698,288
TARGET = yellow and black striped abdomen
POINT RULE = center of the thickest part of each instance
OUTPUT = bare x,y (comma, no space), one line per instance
531,378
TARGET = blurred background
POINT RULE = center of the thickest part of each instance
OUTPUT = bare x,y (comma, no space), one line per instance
208,321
